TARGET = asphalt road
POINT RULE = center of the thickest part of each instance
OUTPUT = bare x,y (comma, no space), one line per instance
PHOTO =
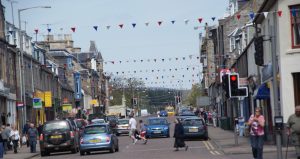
158,148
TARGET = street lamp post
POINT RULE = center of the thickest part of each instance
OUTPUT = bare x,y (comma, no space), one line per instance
21,61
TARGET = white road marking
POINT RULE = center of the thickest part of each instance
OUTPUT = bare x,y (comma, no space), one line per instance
206,145
212,152
217,152
210,145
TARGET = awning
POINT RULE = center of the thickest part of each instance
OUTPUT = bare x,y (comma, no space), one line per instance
263,92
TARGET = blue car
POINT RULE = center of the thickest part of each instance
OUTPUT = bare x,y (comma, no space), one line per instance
195,127
163,113
157,127
98,137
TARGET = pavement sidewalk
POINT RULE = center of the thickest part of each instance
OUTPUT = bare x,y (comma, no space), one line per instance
224,140
23,153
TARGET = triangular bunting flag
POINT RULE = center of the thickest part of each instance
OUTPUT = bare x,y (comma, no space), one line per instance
186,21
147,23
107,27
121,26
73,29
251,15
238,16
36,31
133,25
213,18
49,30
279,13
266,14
173,21
10,32
200,20
159,23
95,27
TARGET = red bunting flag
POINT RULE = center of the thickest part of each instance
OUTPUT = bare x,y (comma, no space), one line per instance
238,16
279,13
200,20
73,29
159,23
121,26
36,31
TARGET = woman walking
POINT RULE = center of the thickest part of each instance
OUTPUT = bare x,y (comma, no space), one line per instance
179,136
257,123
15,137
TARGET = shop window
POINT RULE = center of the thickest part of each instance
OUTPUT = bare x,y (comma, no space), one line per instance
295,25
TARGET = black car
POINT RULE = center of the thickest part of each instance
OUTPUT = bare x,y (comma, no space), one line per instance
58,136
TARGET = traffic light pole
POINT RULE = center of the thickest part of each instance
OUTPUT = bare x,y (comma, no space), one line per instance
275,87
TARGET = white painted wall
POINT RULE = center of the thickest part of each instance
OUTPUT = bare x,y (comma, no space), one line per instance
289,63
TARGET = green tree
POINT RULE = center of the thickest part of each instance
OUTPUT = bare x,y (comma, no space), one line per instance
196,91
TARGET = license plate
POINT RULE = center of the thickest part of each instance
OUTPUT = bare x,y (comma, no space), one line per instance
157,132
193,130
95,141
56,136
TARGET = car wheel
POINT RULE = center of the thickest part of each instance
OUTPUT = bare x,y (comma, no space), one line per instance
118,134
74,150
82,153
88,153
113,149
168,136
43,153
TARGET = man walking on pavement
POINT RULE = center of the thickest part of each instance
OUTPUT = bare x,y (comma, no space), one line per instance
132,126
32,137
293,126
25,130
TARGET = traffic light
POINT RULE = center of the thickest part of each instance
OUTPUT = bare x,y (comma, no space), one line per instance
225,84
259,51
234,89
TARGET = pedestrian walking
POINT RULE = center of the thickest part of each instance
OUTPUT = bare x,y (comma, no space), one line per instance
132,126
15,137
1,144
32,137
25,131
257,123
214,117
40,128
179,136
5,135
142,132
293,126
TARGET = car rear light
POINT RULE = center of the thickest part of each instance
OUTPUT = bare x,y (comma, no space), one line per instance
107,138
41,137
81,140
72,134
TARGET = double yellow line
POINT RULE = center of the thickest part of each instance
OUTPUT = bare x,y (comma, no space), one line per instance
211,148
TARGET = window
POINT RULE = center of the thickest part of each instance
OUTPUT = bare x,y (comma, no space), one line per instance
295,25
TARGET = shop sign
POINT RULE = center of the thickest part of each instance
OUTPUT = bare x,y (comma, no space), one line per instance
48,99
37,103
67,107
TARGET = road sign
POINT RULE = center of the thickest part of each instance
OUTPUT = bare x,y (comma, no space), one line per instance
37,103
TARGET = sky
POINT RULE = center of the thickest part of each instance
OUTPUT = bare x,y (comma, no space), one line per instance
167,41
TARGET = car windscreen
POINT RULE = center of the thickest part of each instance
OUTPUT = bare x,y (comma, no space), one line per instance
158,122
192,122
99,121
123,122
97,129
56,126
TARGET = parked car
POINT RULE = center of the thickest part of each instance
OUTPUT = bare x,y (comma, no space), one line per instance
123,126
163,113
195,127
187,113
157,127
58,136
97,137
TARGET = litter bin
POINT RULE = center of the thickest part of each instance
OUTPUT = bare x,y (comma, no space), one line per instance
225,123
